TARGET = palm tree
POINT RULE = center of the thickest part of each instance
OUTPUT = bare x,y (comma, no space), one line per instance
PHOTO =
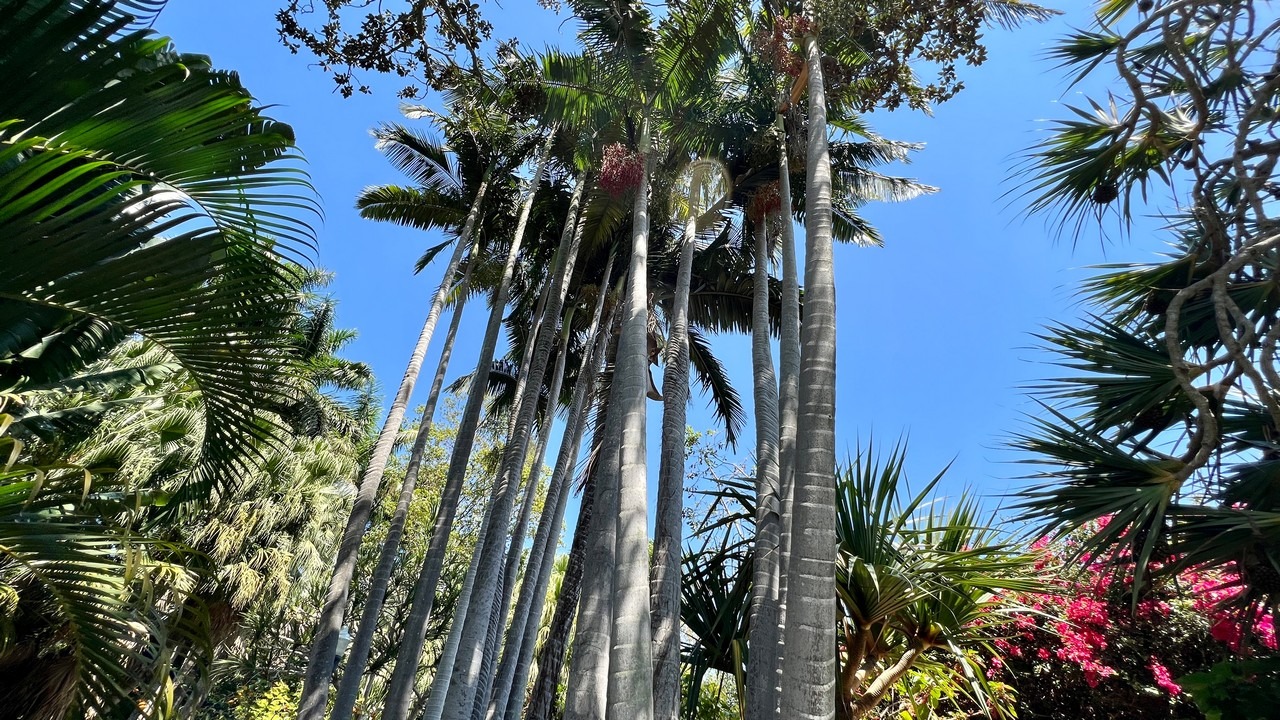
644,69
852,37
440,198
429,163
490,601
508,700
131,231
400,691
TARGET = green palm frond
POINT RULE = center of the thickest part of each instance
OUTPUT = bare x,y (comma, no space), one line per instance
95,579
1128,380
420,208
725,402
427,161
151,194
1088,478
1009,14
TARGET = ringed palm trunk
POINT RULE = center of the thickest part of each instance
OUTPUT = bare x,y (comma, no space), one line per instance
513,675
468,669
400,689
762,684
809,675
324,645
516,551
349,685
789,379
551,657
665,583
630,691
588,686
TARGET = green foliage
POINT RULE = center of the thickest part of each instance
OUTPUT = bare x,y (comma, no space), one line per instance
141,187
1168,419
1235,689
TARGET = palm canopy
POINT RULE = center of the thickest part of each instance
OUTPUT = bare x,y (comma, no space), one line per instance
142,188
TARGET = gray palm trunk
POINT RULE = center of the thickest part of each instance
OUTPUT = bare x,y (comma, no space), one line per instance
762,685
324,644
449,654
667,536
630,691
464,701
518,532
809,671
587,690
513,675
440,681
788,375
551,655
400,689
349,685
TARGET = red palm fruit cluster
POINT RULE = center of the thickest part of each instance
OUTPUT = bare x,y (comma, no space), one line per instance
776,46
621,170
764,202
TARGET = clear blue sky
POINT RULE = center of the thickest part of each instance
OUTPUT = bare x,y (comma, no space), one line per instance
934,328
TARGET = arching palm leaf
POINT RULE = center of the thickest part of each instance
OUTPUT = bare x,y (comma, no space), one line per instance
142,187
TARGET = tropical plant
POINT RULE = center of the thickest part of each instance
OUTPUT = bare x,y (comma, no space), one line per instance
923,586
1166,421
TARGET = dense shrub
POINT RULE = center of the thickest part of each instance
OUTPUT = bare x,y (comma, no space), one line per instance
1091,650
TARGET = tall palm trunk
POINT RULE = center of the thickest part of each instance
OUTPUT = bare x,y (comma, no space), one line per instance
349,685
400,690
513,676
588,685
324,645
665,583
810,667
440,681
762,684
551,657
516,551
469,667
630,693
789,378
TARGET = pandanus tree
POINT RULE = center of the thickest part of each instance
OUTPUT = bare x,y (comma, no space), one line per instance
1167,422
149,196
922,587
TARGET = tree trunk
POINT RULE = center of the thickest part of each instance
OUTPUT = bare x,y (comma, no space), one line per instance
400,690
887,679
630,693
762,683
810,667
551,657
588,685
667,536
788,372
324,645
440,681
513,676
468,670
788,385
485,697
349,685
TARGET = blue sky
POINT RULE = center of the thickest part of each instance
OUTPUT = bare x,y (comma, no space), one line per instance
934,328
